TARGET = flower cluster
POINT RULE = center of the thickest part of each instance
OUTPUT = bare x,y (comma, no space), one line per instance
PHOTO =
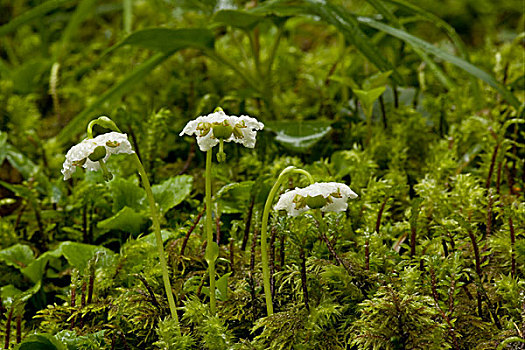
327,196
90,152
217,126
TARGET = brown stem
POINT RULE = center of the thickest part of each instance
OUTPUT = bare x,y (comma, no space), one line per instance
412,240
187,237
489,213
438,307
8,327
281,251
380,214
191,154
91,284
512,242
491,168
498,178
445,247
19,328
303,277
247,225
150,291
333,252
383,112
83,295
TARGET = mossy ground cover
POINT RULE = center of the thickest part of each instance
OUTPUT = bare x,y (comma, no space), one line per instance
417,107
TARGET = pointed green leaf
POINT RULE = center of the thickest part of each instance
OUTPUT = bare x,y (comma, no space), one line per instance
299,136
236,18
368,97
222,287
431,49
31,15
212,252
131,80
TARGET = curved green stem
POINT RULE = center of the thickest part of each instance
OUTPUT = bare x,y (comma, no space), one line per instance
264,229
156,228
210,256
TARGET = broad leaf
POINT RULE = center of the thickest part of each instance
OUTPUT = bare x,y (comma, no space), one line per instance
172,192
234,197
126,193
299,136
127,220
18,255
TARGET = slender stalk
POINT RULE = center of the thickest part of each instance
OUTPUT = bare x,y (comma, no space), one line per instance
158,236
323,229
264,230
209,231
127,9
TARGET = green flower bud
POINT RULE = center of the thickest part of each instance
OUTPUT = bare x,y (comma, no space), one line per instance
316,202
98,154
222,130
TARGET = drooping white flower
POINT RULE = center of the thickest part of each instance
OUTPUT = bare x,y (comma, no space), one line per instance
210,129
327,196
78,155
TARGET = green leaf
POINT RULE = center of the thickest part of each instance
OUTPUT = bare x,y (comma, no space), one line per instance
18,255
234,197
340,19
127,220
237,19
41,342
368,98
126,193
172,191
222,287
165,235
171,40
79,254
82,11
431,49
31,15
11,295
299,136
212,252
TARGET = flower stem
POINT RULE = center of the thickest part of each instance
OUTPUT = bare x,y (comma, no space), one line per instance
264,230
209,232
156,229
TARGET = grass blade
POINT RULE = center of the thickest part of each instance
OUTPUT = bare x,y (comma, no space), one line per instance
131,80
457,61
31,15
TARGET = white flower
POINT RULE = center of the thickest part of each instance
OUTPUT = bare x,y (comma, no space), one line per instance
218,125
327,196
113,143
